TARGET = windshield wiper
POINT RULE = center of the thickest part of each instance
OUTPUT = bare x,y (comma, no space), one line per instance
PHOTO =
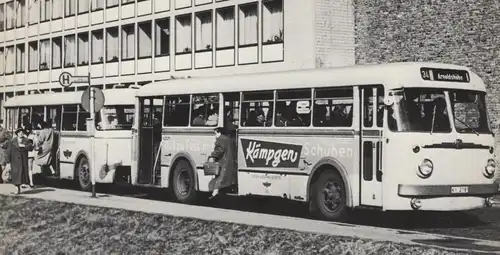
467,125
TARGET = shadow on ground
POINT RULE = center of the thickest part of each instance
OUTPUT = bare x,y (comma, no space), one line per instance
37,190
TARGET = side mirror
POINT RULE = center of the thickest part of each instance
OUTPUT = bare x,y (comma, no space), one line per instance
388,101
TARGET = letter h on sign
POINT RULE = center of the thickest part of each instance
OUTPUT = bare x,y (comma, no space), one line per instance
65,79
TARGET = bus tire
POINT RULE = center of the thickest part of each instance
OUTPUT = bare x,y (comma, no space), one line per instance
328,196
183,183
83,173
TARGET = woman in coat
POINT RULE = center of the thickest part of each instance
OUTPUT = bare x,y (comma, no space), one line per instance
17,156
224,154
45,141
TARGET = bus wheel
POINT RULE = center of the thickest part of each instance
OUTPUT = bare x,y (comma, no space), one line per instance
329,197
83,171
184,183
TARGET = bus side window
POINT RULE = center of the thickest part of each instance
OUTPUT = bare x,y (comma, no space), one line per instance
205,110
37,117
333,107
176,111
82,118
231,110
294,107
368,107
70,113
24,116
380,106
54,117
257,108
11,118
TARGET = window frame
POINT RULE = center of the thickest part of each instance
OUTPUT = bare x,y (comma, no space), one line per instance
243,101
75,8
196,28
21,68
233,8
157,37
54,41
241,12
123,29
47,64
351,88
101,59
186,50
118,46
78,60
281,36
150,39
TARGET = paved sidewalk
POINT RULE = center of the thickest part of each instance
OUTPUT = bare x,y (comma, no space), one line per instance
257,219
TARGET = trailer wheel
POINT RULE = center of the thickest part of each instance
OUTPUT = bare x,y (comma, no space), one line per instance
329,197
83,171
184,183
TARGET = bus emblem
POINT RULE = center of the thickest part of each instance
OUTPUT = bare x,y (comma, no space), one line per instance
67,153
458,143
269,154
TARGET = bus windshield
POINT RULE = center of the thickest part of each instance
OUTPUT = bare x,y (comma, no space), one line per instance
425,110
115,117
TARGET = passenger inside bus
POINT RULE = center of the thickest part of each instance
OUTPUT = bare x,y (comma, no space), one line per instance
229,124
213,117
441,120
37,119
320,118
338,116
299,118
199,115
282,114
252,119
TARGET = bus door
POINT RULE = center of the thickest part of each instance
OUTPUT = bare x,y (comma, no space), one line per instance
371,127
231,119
150,123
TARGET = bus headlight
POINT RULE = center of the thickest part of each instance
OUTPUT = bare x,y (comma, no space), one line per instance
489,169
425,168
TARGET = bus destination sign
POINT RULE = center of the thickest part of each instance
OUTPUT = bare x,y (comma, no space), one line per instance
450,75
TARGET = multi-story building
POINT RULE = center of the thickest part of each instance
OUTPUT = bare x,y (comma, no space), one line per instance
123,42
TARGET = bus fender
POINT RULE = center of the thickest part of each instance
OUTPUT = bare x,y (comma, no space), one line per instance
331,163
183,156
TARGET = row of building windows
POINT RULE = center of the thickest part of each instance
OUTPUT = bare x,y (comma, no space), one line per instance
13,13
104,45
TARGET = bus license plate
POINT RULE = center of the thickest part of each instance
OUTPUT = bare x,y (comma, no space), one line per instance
459,190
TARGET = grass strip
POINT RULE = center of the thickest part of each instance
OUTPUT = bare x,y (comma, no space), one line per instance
36,226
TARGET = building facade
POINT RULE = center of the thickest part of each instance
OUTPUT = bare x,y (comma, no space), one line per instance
124,42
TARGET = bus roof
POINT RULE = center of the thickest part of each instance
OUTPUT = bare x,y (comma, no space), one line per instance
392,75
111,97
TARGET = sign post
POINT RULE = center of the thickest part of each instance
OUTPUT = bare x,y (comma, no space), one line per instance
90,105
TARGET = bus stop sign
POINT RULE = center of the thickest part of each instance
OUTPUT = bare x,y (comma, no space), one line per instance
66,79
98,101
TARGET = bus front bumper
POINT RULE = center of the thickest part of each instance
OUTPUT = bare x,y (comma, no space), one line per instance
424,191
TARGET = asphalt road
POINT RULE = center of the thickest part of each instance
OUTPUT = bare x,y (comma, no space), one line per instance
481,223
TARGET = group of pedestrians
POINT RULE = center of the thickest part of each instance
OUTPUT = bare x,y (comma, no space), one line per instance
21,151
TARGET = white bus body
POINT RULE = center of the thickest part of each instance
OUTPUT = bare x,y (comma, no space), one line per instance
112,132
354,158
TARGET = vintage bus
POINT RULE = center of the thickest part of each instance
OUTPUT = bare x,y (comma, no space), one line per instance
64,112
400,136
